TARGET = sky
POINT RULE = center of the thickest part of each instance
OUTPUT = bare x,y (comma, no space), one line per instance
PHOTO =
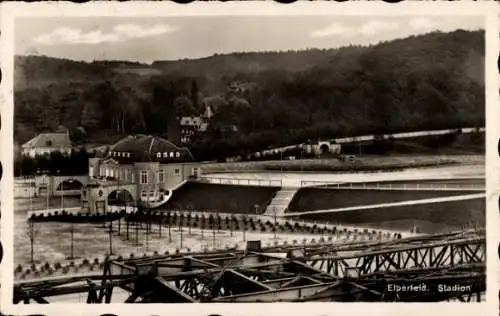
171,38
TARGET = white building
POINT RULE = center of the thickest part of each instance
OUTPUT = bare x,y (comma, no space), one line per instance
47,143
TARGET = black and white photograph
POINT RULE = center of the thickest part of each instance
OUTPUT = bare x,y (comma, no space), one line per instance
248,158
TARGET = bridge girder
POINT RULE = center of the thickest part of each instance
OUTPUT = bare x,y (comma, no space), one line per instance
320,273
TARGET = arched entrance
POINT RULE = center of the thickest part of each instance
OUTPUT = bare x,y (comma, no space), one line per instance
120,197
324,148
70,185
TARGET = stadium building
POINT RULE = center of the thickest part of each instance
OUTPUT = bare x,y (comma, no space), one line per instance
141,168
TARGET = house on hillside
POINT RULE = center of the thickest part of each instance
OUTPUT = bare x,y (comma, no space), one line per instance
191,125
47,143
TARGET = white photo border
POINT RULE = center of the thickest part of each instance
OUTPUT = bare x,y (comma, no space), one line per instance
10,11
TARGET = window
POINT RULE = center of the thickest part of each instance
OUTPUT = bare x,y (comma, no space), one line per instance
133,177
144,177
171,154
143,193
128,175
178,154
177,171
128,155
158,155
161,176
195,172
165,155
48,143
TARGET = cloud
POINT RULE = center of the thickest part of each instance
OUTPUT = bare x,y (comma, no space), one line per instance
119,33
375,27
371,27
422,24
333,29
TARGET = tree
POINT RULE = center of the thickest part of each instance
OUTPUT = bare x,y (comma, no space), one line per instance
267,98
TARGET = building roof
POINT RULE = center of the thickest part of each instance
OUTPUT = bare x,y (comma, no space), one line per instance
52,140
146,148
191,121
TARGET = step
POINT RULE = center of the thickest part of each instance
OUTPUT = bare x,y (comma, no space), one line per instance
280,202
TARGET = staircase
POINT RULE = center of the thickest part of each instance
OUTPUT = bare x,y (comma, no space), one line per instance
280,202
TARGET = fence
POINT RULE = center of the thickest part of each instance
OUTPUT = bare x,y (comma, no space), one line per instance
26,180
236,181
397,186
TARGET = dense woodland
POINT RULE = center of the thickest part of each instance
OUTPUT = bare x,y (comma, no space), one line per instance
261,99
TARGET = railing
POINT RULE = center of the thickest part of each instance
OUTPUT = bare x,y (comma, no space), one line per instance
365,138
24,181
396,186
234,181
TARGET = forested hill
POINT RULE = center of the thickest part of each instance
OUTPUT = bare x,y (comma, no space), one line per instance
261,99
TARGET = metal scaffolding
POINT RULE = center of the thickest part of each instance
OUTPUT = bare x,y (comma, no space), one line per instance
428,268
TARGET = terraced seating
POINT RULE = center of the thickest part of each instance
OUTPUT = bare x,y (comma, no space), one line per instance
312,199
221,198
426,218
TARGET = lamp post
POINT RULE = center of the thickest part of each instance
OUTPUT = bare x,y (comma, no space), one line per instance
281,166
213,235
72,236
169,227
44,175
275,229
31,198
180,228
31,235
244,229
62,190
111,235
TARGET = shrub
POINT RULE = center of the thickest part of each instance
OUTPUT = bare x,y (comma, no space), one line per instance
19,268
